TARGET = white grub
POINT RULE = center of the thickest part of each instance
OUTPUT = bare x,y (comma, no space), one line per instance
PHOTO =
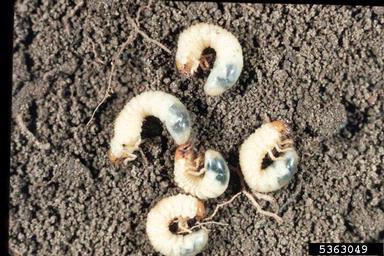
229,56
176,209
127,128
261,143
208,182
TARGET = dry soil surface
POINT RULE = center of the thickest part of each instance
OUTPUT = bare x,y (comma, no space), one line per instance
320,68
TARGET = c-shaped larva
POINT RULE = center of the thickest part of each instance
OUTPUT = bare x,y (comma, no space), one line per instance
128,124
177,210
210,181
229,56
262,142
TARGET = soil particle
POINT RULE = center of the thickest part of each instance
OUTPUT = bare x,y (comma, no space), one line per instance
320,68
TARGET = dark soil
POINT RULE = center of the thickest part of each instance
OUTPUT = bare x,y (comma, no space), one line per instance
320,68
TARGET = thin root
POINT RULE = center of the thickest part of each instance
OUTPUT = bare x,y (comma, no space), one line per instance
129,40
268,198
184,230
222,205
145,36
258,195
106,95
29,134
202,224
250,197
182,226
259,209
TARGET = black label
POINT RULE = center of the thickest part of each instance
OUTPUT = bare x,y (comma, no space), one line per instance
346,249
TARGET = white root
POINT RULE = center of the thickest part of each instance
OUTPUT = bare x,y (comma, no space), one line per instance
181,208
260,210
205,223
222,205
254,203
128,124
229,56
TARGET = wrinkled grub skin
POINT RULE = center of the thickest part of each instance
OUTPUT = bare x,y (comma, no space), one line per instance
320,68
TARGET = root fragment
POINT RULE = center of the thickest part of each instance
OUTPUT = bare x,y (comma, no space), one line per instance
108,92
260,196
222,205
130,39
253,201
268,198
146,37
260,210
203,224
